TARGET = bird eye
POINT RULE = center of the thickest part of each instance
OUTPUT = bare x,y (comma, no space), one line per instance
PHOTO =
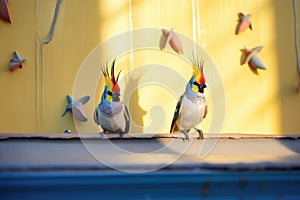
109,93
197,84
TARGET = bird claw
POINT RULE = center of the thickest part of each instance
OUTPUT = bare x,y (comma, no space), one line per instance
102,134
187,138
201,135
122,134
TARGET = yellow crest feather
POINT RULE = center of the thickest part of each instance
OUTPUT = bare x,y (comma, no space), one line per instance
198,70
107,78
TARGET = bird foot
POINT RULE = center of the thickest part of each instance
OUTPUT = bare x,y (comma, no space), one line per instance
187,138
201,135
102,134
122,133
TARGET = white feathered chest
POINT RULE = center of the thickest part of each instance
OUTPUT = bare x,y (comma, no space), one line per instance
192,111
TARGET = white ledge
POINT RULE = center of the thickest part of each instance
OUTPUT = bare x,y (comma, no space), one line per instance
144,136
136,152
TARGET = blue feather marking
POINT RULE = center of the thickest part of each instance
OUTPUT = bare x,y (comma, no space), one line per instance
189,88
104,94
104,105
191,82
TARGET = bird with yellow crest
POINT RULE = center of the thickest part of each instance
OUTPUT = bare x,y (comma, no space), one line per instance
111,114
191,107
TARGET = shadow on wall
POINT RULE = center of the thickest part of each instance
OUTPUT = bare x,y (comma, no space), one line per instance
132,99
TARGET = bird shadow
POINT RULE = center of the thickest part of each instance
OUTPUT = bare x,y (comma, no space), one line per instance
132,99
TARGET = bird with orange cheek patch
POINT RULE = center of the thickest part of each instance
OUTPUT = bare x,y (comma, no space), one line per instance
191,107
111,114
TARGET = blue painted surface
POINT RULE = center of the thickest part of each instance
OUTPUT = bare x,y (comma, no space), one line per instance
159,185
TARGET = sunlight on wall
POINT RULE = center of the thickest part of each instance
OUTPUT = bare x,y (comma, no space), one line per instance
251,100
35,96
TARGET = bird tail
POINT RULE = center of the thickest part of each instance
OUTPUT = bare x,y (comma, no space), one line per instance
174,128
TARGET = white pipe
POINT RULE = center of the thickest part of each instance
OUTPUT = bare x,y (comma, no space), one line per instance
52,29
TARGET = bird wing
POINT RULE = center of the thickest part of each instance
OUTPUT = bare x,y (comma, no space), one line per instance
176,113
96,112
127,118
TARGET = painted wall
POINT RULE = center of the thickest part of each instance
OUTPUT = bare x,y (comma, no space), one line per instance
34,97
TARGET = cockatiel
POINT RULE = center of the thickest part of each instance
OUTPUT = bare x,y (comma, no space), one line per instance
192,107
111,114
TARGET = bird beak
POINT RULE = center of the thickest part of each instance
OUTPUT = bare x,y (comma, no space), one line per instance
202,86
116,96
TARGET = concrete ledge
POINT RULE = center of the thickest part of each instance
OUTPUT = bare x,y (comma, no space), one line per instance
57,152
91,136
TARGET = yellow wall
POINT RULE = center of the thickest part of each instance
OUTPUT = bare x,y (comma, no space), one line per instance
33,98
